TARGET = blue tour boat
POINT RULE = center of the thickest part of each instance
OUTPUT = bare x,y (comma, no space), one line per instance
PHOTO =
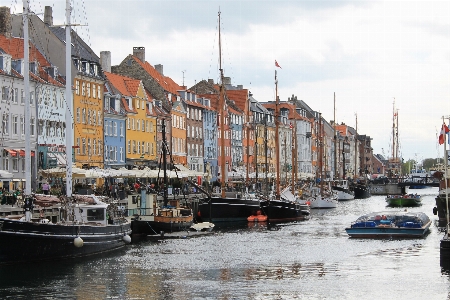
390,224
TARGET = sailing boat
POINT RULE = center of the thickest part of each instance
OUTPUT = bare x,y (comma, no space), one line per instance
231,206
149,218
321,196
85,226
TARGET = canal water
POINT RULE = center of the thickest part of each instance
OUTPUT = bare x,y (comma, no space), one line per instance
314,259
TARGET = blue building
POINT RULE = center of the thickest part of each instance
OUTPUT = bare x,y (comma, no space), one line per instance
210,142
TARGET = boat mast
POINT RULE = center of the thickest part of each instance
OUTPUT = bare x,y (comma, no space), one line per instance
356,145
277,150
69,120
336,173
294,154
222,117
445,177
26,79
164,154
321,154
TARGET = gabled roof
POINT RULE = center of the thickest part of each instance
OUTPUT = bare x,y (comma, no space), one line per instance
124,85
79,47
164,81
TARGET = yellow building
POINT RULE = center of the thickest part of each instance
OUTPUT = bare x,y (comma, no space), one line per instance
88,120
141,127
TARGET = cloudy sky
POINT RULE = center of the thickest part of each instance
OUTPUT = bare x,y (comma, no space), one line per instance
367,52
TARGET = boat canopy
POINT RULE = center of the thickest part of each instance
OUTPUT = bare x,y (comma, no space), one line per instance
397,216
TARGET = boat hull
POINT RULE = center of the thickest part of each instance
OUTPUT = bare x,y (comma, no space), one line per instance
228,209
325,202
153,227
284,211
27,241
366,232
403,202
344,194
361,192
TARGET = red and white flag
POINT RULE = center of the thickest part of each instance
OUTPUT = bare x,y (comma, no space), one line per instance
277,65
444,131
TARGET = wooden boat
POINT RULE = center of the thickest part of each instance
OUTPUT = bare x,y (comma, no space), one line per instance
405,200
150,217
390,224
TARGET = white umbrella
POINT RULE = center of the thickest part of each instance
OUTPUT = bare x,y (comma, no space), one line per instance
96,173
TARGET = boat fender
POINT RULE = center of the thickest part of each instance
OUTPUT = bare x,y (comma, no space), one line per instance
435,210
127,239
78,242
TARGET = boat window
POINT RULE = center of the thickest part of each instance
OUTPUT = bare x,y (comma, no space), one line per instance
95,215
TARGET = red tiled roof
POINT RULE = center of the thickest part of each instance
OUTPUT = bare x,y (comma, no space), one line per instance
164,81
125,85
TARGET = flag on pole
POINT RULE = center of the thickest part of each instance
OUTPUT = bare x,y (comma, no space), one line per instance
444,131
277,65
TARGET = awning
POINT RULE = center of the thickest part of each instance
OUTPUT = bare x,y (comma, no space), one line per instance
182,168
22,152
11,152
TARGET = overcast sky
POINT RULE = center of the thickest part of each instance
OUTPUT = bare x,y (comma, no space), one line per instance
367,52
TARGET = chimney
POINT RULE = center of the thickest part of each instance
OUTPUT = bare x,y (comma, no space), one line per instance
139,52
5,21
211,81
240,87
159,68
48,16
105,60
227,80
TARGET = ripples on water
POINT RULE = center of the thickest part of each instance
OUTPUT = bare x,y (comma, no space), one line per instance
313,259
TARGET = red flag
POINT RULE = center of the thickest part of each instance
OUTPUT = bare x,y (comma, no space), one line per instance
444,131
291,126
277,65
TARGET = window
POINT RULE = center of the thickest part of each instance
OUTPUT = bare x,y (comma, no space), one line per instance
78,115
94,146
139,147
128,123
89,116
83,88
77,87
5,163
22,97
94,118
83,146
115,128
99,144
89,147
151,127
22,125
143,125
15,125
143,104
5,123
106,152
14,95
98,92
31,98
88,89
83,116
137,103
99,118
78,145
132,124
15,165
5,93
93,91
138,125
121,129
129,146
121,154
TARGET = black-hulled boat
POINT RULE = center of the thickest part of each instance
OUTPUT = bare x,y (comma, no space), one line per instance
84,226
361,188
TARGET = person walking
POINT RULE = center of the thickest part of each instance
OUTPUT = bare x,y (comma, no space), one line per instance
46,188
